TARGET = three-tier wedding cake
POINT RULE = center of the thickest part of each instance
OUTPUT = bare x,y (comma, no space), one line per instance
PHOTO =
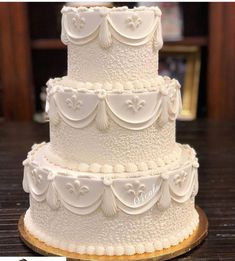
112,180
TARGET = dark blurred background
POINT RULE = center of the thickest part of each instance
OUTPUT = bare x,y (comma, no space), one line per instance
31,52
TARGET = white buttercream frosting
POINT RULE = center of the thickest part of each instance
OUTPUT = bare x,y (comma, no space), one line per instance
170,161
132,27
121,63
134,109
130,234
113,44
112,180
83,193
63,224
114,146
151,84
74,111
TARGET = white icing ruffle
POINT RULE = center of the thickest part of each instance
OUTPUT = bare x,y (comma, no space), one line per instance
133,27
83,193
135,111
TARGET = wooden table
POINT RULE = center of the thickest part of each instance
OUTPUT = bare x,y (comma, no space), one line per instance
214,142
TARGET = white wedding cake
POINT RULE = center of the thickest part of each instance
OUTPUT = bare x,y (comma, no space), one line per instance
112,180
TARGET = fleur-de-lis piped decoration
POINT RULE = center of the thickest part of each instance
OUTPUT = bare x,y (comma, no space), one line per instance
74,102
133,21
180,178
78,21
135,104
37,177
76,188
136,188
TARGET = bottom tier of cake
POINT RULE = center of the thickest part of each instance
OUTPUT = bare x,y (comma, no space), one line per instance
110,215
124,234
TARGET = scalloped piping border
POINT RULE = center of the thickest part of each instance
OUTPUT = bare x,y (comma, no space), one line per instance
137,86
167,161
82,9
111,250
52,185
163,106
157,166
105,30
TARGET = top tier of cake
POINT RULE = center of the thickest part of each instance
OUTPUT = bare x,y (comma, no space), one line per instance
112,44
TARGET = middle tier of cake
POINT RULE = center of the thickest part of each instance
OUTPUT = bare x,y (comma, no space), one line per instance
121,128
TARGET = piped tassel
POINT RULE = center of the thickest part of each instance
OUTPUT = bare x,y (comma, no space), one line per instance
175,104
165,199
25,179
179,99
53,114
108,205
64,36
102,121
54,118
196,185
52,197
105,36
163,118
195,173
157,38
47,105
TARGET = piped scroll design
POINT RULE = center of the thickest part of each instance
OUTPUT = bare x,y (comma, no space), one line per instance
129,110
132,27
84,195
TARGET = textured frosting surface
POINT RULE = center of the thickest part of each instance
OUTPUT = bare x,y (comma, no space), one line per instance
115,145
117,44
119,63
112,180
152,230
135,193
79,103
136,226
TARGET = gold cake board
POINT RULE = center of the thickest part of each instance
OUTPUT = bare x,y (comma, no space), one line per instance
191,242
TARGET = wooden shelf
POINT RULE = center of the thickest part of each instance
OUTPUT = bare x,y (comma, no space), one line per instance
47,44
39,44
197,40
